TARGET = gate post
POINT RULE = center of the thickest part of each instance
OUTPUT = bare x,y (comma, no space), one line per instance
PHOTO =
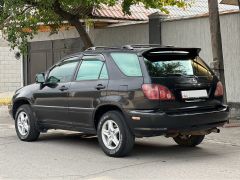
155,20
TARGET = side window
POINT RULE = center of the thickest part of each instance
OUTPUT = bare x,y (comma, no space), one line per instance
128,63
62,72
104,73
90,70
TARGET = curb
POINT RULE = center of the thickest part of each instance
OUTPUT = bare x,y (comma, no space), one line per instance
6,98
232,124
5,101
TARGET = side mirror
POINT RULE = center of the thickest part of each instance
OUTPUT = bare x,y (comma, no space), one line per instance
40,78
52,80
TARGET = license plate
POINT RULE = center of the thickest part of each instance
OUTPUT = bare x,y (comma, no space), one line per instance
194,94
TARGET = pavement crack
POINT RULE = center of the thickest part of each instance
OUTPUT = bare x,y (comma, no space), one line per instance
101,172
123,167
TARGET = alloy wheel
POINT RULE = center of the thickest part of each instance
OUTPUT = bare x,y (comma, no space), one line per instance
110,134
23,123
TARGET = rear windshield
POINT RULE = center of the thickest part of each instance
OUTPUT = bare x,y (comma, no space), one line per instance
185,67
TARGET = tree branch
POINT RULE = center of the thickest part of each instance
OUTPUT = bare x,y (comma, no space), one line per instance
74,21
9,17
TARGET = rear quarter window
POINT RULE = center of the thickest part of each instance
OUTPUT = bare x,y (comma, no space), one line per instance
128,63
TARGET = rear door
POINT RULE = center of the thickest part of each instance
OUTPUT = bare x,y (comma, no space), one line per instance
189,79
87,90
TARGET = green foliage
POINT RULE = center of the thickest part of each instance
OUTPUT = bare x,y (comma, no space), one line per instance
1,5
19,19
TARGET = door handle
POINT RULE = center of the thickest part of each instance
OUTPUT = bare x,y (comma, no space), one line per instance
100,86
63,88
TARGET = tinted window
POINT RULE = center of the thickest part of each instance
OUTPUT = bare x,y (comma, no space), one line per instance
128,63
161,68
89,70
62,72
104,74
177,67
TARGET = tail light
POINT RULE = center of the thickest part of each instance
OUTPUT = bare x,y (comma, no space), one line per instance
219,89
157,92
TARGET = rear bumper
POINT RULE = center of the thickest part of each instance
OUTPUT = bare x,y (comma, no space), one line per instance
153,123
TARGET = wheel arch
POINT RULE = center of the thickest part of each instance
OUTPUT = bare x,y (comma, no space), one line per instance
100,110
17,104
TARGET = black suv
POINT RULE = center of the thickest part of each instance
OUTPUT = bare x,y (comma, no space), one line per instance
122,93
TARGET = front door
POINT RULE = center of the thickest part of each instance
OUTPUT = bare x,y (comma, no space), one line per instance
87,90
51,101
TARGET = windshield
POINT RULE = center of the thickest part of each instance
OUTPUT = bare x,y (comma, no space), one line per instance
185,67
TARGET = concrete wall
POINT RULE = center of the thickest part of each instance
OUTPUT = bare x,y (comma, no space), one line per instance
121,35
10,68
195,33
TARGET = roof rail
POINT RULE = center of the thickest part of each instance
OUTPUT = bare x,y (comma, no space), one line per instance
135,46
128,46
94,48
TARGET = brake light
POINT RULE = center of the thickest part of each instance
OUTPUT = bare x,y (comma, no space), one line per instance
219,89
157,92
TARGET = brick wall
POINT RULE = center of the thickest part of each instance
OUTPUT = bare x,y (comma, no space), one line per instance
10,69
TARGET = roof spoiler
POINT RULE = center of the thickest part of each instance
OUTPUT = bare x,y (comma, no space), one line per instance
170,53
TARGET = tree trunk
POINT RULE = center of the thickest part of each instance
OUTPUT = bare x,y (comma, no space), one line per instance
216,40
82,32
74,21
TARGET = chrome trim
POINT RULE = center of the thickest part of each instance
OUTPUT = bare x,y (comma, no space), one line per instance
79,108
63,107
151,129
195,100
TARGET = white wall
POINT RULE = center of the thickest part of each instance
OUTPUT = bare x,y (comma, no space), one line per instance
10,68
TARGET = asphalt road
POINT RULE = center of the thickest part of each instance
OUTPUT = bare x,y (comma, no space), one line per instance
70,155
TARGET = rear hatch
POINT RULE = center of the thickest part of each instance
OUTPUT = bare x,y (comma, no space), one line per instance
186,75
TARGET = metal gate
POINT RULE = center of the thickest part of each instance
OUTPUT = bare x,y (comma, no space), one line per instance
43,54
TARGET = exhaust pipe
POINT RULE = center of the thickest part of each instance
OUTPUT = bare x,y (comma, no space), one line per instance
215,130
202,132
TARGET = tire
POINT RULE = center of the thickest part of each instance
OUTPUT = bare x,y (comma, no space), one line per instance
189,141
125,138
25,124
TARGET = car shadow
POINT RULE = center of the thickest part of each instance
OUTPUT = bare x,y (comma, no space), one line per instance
69,138
142,149
169,151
